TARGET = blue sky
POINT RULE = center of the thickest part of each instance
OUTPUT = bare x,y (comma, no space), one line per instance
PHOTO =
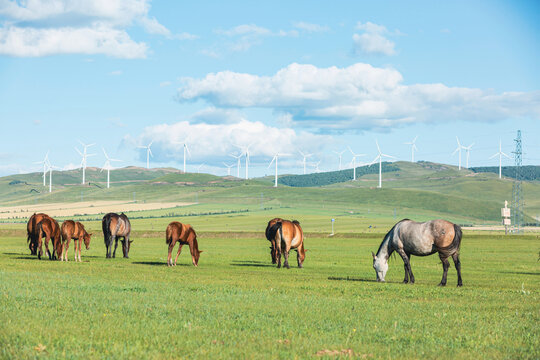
286,77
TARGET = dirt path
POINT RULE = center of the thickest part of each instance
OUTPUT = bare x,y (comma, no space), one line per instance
82,208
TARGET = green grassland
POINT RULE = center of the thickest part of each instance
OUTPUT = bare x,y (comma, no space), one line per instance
237,305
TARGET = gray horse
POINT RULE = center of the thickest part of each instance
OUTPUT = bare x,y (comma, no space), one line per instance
408,238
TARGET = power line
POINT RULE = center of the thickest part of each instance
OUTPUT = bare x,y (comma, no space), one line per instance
517,201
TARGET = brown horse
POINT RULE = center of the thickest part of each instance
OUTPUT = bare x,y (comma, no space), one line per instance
271,229
408,238
48,228
289,235
183,234
32,233
76,231
115,226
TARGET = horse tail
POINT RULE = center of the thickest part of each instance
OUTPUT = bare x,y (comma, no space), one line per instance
447,251
106,226
280,229
168,237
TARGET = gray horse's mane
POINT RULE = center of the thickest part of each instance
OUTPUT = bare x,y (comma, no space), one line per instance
388,234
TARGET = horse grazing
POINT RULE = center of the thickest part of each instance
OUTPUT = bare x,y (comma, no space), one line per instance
115,226
74,230
32,233
408,238
271,229
48,228
183,234
289,235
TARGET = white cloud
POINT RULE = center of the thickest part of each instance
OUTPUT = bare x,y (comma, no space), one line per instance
310,28
40,28
116,72
356,97
165,83
214,142
243,30
247,35
373,40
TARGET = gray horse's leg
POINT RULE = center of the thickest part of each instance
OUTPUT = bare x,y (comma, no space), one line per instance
285,254
407,266
455,257
446,265
278,255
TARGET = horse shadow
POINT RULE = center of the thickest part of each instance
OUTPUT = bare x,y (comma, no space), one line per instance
348,278
251,263
157,263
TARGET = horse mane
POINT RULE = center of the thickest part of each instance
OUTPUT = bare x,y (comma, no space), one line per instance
296,222
388,234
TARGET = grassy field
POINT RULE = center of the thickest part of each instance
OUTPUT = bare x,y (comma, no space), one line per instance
237,305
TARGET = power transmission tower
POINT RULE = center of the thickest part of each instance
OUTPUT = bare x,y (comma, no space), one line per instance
517,194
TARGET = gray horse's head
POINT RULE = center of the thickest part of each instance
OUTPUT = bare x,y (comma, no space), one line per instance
380,264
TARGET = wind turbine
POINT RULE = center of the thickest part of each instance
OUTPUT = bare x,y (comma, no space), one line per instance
246,152
305,156
186,149
199,168
148,153
83,161
458,149
228,168
500,153
107,166
237,157
468,149
45,162
339,154
413,147
379,157
354,156
275,159
50,169
317,170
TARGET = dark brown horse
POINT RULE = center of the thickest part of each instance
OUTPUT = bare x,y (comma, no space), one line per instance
76,231
408,238
115,226
289,235
32,232
183,234
271,229
48,228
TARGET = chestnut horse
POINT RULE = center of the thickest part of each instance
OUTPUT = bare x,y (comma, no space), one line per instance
289,235
48,228
271,229
74,230
408,238
32,233
183,234
115,226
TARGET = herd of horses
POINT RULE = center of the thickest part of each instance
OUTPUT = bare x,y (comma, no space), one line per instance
407,238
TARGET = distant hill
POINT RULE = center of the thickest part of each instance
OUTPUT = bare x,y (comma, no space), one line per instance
528,172
334,177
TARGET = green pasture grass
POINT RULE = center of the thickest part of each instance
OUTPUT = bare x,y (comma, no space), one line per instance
237,305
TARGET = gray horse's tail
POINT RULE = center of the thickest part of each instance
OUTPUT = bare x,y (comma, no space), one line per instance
275,228
453,248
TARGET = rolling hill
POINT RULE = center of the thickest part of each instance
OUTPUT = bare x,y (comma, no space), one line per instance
423,189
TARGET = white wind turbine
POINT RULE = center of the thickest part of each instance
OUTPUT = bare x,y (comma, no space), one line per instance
107,166
45,163
148,153
413,147
339,154
305,156
379,157
228,168
186,149
468,149
275,159
50,169
83,161
246,153
237,157
501,154
199,168
458,149
354,156
317,170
